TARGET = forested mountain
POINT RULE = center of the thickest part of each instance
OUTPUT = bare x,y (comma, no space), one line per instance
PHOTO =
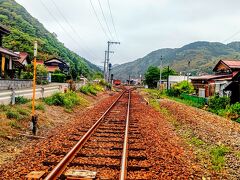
25,29
203,56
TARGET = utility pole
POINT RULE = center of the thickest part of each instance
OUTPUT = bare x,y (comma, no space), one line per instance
109,72
34,117
106,64
108,51
168,78
188,69
160,82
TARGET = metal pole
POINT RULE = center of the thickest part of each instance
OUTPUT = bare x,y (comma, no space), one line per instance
160,82
104,66
188,70
168,78
108,51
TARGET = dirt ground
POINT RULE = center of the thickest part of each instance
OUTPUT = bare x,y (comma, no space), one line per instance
13,139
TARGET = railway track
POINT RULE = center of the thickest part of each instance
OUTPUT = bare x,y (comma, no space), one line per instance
112,148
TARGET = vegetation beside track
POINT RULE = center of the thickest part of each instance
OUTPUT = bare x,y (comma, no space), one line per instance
216,157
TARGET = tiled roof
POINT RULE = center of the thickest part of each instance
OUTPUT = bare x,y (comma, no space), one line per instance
8,52
215,76
232,63
39,62
23,56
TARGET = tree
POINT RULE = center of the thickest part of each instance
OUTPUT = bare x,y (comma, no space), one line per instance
167,72
152,76
41,72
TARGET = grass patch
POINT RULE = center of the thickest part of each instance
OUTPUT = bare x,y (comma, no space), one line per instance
21,100
12,114
218,157
196,141
4,107
67,100
40,106
91,89
23,112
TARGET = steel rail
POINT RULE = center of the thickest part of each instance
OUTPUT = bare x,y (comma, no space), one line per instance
61,166
123,171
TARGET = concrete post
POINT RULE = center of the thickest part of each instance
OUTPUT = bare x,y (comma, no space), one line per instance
42,91
13,97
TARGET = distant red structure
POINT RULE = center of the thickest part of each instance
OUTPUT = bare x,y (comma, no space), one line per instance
117,82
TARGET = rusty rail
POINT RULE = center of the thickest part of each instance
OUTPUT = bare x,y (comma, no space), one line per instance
61,166
123,171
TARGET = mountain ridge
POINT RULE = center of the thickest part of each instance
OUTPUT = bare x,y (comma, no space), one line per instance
202,55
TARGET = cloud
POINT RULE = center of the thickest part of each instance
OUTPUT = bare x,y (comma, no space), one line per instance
142,26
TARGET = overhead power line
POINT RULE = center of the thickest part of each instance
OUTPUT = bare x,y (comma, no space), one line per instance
99,22
72,28
62,27
112,19
232,36
104,18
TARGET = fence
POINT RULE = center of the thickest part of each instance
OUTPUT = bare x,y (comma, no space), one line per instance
14,84
8,97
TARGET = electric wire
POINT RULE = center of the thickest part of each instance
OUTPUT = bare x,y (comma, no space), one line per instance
104,18
99,22
60,25
71,26
232,36
112,20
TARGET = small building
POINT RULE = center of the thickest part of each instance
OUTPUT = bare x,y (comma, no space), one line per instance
56,63
225,72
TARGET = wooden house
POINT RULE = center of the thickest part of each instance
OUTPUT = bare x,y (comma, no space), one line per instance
225,72
7,57
57,64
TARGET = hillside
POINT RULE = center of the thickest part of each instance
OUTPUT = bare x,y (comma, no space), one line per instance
203,56
25,29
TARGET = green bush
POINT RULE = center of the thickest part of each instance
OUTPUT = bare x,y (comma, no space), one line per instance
21,100
216,103
172,92
233,112
180,88
84,89
198,101
59,77
91,89
26,75
68,100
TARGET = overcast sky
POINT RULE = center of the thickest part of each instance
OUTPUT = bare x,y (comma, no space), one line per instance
141,25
